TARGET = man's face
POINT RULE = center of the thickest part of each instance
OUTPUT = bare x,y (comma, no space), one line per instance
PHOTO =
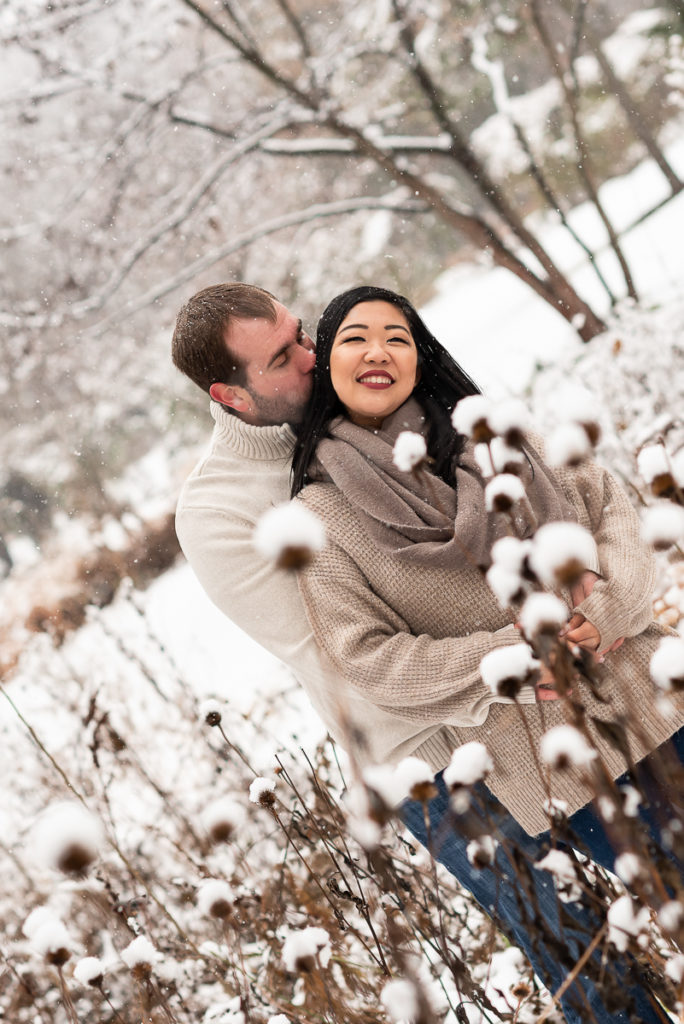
279,359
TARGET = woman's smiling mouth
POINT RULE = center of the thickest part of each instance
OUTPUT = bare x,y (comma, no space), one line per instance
373,379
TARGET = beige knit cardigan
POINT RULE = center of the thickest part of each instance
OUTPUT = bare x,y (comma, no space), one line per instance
410,640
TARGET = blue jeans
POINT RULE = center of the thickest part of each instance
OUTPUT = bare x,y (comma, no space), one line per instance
561,932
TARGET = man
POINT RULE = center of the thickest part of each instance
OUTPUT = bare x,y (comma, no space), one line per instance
249,353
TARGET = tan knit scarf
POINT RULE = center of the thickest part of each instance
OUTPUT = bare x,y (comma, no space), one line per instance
416,516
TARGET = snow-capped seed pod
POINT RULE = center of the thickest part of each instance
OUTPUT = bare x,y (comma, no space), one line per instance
631,801
543,615
481,852
562,867
215,898
674,968
556,809
400,999
409,452
416,779
498,457
677,464
470,418
302,949
561,553
667,664
628,867
223,818
505,670
89,971
662,525
210,711
567,445
564,747
671,917
508,587
509,419
626,922
289,535
654,466
68,837
53,942
502,492
262,792
140,957
469,763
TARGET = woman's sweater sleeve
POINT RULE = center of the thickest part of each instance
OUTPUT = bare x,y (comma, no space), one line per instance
621,603
418,678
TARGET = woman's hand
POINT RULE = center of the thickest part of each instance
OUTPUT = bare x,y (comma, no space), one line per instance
579,632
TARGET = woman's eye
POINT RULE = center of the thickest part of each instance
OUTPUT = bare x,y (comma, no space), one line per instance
402,341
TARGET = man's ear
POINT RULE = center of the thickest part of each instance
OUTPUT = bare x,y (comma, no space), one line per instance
230,395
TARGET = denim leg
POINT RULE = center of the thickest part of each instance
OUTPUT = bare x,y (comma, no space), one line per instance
588,828
516,894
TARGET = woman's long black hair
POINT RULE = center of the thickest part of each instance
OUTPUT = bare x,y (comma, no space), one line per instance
442,384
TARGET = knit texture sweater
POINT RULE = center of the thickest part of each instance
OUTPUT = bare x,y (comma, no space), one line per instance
410,640
244,472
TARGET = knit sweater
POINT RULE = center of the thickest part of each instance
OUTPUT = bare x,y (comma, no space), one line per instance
410,640
245,472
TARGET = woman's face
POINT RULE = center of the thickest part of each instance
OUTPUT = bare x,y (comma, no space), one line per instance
373,362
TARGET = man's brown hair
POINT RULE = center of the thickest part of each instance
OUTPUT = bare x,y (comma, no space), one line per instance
199,347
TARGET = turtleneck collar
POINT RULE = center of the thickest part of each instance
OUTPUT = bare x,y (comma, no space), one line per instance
263,443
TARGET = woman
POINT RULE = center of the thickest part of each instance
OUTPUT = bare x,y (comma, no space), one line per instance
398,599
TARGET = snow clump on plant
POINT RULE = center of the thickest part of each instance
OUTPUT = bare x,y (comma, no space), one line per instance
626,922
215,898
498,457
667,664
303,949
567,445
662,525
564,746
411,778
210,712
289,535
89,971
543,613
50,939
68,837
481,851
562,867
471,418
505,575
505,670
400,999
409,452
469,763
502,492
140,956
262,791
561,552
628,867
223,818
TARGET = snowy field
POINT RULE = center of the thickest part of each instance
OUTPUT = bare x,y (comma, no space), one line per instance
138,672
